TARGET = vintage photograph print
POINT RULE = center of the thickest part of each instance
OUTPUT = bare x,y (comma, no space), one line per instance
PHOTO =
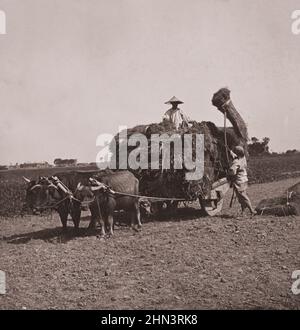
149,157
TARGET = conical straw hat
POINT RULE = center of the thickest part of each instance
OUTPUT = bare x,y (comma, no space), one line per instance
174,99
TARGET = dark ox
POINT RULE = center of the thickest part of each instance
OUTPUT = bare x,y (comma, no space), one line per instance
29,197
106,202
45,193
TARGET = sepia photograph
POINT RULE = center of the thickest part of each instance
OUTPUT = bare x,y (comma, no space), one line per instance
149,157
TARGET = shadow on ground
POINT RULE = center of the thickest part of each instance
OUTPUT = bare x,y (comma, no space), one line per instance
56,235
52,235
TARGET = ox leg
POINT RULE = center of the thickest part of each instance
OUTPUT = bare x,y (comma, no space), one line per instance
110,222
134,221
63,214
95,215
136,217
92,224
76,213
102,225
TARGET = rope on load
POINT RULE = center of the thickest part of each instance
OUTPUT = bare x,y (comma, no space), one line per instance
225,131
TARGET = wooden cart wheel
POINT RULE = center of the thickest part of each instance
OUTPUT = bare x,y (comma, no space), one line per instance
211,207
214,205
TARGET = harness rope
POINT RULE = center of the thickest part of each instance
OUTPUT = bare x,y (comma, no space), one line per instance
225,131
144,197
109,190
53,206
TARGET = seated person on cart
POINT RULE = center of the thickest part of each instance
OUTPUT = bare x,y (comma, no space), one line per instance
175,115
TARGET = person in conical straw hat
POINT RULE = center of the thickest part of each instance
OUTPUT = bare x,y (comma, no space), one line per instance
239,178
175,115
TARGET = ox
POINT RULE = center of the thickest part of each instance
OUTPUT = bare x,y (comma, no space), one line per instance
52,193
106,201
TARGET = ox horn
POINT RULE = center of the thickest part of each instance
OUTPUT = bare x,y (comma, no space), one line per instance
93,188
35,186
26,179
100,186
52,186
79,186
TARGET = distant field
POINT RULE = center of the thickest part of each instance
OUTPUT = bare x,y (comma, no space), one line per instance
273,168
33,173
261,169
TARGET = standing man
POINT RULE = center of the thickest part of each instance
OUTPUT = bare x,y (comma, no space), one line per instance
175,115
239,178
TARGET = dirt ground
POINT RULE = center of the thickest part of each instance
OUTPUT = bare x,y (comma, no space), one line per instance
184,262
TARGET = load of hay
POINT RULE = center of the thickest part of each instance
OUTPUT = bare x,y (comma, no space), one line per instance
288,204
172,182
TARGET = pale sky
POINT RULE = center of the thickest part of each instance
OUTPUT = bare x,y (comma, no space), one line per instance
73,69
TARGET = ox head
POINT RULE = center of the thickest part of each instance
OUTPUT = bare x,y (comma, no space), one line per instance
145,207
83,192
87,193
29,196
92,189
41,193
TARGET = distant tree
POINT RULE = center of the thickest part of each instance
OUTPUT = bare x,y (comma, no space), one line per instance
257,147
291,152
254,139
57,161
65,162
71,161
266,140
